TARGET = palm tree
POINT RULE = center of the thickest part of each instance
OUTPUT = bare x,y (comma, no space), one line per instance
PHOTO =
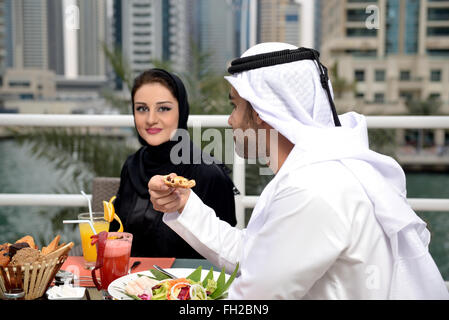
207,89
340,85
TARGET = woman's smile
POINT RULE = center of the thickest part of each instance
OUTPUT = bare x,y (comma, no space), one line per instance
153,130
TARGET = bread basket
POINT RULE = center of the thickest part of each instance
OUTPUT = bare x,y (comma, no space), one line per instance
31,280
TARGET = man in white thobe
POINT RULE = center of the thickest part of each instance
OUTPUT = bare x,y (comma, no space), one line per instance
333,223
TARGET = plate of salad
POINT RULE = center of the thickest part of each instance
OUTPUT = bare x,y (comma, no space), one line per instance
190,284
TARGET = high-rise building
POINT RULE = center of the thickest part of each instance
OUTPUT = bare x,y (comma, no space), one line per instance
279,21
389,52
148,30
395,50
271,22
55,22
214,22
35,36
292,23
28,34
140,33
3,38
245,24
91,37
317,24
176,37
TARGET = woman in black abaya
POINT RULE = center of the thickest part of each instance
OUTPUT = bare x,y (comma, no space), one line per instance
160,107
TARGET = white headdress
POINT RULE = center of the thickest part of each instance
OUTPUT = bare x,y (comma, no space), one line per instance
291,98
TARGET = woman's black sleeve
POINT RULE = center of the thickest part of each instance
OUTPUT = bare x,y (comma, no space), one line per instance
218,193
119,204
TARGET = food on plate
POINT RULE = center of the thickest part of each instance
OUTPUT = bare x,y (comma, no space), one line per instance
28,239
25,255
144,288
179,182
183,289
191,287
141,286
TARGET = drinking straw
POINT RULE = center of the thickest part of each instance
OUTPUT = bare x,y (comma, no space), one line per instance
90,206
82,221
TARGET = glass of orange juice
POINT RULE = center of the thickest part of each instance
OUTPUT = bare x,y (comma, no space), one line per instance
90,251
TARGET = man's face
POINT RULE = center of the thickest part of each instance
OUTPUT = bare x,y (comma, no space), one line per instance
243,125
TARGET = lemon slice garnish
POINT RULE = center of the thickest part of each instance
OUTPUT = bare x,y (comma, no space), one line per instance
109,213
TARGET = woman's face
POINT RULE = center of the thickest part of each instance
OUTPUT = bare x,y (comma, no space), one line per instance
156,113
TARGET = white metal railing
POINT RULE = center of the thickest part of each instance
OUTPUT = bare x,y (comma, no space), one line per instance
69,120
242,201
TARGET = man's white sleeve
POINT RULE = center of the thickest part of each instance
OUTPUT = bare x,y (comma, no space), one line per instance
214,239
300,238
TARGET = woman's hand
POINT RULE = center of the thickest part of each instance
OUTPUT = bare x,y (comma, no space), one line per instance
165,198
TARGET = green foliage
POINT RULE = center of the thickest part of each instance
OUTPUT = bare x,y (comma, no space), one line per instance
119,64
383,141
340,85
80,151
121,68
207,90
427,107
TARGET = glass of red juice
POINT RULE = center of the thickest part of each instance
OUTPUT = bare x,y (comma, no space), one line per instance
116,257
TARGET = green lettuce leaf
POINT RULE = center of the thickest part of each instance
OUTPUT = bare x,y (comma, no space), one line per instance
210,276
196,275
158,275
221,285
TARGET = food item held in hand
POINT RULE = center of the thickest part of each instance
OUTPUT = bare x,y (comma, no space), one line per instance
179,182
109,213
25,255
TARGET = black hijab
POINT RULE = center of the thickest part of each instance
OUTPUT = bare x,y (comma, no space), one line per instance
213,185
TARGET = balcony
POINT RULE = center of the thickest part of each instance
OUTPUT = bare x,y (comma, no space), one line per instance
243,201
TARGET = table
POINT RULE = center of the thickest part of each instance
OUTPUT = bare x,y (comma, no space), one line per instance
75,264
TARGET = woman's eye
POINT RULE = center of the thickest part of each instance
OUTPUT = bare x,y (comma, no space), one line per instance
163,109
142,108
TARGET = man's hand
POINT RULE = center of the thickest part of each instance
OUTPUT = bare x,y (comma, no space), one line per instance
165,198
